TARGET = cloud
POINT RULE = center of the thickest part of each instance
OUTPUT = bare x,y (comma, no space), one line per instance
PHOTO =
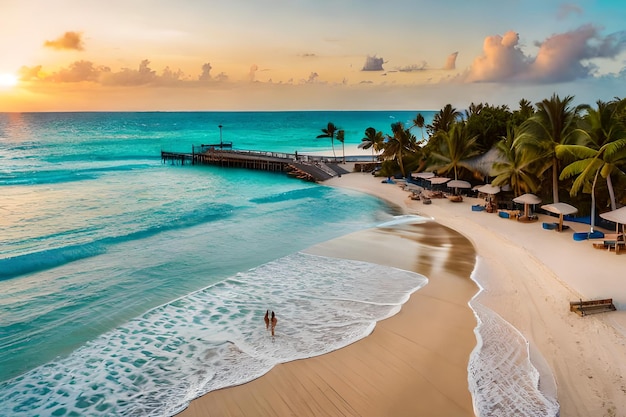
30,73
77,72
567,9
253,69
561,57
313,77
169,76
205,75
373,64
413,68
69,40
129,77
451,61
501,59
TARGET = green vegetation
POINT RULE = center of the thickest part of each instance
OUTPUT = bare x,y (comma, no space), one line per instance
552,148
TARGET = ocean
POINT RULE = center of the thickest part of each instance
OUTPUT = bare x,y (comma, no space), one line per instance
129,286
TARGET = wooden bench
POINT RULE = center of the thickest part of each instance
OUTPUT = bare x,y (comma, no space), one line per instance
610,242
583,308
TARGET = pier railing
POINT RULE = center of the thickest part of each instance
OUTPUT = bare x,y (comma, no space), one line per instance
310,167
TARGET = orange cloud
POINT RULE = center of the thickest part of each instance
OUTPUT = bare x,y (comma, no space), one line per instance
561,57
87,71
69,40
451,61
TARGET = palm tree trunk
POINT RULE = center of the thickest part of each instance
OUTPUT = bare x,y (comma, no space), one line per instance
609,185
593,201
401,164
555,180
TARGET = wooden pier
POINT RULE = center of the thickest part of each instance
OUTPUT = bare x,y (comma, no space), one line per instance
306,167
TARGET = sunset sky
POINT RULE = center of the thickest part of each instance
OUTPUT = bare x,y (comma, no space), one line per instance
86,55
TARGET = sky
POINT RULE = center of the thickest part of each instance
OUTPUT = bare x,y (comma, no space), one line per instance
263,55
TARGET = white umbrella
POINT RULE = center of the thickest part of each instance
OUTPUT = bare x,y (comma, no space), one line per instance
562,209
618,217
526,200
488,189
425,175
438,180
459,184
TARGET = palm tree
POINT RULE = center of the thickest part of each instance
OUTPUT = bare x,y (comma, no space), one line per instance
401,143
453,149
419,122
605,154
341,138
373,139
329,132
525,108
516,166
554,123
444,119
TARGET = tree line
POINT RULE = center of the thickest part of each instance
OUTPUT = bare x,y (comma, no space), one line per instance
552,148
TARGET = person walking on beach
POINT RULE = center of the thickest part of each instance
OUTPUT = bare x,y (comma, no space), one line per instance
267,319
274,321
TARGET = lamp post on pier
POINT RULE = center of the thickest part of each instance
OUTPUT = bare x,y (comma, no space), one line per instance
221,145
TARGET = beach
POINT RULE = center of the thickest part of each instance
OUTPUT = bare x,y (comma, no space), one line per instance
416,362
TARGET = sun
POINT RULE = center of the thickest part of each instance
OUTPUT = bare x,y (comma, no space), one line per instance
8,80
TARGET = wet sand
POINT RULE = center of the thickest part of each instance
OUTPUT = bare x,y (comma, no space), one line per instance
413,364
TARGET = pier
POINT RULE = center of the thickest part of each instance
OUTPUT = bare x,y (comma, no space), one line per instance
307,167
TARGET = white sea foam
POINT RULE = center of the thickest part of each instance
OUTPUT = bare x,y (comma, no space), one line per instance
407,218
502,379
214,338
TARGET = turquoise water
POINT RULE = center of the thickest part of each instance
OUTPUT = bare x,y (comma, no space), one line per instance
122,278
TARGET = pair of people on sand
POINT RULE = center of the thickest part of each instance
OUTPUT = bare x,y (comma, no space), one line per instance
271,321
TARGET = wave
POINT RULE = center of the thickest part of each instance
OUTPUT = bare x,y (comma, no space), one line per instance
149,155
502,379
215,338
37,261
313,192
62,175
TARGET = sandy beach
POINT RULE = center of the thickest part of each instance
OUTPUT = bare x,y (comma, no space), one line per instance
416,362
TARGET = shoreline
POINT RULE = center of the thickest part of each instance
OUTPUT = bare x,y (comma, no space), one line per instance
527,276
413,363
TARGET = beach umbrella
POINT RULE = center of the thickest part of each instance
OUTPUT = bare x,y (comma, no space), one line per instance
425,175
562,209
456,184
488,189
617,216
527,200
438,180
459,184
